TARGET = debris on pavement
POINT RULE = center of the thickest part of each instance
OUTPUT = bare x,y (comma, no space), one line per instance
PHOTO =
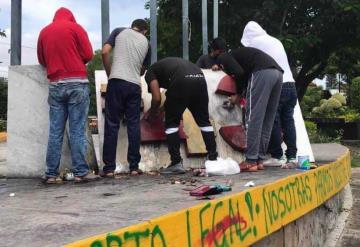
12,194
250,184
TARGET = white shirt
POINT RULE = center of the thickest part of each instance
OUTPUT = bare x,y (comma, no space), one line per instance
255,36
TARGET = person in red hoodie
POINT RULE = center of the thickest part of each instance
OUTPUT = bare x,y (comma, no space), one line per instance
64,49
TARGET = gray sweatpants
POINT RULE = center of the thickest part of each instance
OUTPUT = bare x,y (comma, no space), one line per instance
262,97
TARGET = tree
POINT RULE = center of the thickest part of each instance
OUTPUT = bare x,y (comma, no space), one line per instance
311,31
94,64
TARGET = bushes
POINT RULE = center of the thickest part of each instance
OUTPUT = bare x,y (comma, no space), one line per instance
355,93
333,107
310,100
322,136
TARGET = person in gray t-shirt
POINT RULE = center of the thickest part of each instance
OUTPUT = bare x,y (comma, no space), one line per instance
209,61
131,55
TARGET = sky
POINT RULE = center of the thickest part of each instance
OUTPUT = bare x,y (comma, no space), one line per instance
37,14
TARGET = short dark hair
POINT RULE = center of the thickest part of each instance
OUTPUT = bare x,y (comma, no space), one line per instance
218,44
140,24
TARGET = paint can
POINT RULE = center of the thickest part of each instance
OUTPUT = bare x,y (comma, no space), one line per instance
304,162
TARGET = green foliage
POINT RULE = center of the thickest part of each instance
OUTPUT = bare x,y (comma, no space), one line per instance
335,107
310,100
354,93
94,64
341,98
311,31
329,108
351,115
322,136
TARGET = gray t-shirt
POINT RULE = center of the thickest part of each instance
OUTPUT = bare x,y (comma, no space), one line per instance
131,52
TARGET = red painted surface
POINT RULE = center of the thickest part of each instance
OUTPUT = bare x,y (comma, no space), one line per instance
235,136
226,86
154,131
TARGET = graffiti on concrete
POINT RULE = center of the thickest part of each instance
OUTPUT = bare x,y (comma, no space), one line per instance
236,220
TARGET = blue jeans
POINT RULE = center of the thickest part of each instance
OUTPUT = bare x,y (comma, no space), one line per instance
122,97
67,101
284,123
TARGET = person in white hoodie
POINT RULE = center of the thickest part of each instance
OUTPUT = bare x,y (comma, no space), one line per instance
255,36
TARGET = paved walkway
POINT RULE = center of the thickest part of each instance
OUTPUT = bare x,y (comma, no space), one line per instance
40,215
351,233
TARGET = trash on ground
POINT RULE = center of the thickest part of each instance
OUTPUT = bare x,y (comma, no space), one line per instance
199,172
12,194
222,167
60,197
69,176
109,194
250,184
207,190
205,198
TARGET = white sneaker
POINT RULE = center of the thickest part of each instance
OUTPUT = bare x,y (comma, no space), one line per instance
273,162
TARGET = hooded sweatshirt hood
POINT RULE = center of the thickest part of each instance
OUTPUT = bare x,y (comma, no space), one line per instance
64,14
252,30
255,36
64,47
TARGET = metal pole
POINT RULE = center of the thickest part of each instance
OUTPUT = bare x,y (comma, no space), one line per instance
15,51
153,30
216,18
105,20
204,27
185,28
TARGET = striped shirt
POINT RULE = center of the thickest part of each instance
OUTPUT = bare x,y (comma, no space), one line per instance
131,52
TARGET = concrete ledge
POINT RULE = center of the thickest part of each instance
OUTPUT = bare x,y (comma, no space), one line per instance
275,209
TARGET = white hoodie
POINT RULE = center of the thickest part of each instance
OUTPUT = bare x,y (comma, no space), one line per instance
255,36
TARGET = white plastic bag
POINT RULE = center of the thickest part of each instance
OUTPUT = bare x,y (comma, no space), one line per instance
221,167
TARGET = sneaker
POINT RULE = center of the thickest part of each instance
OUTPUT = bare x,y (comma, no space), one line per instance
273,162
173,169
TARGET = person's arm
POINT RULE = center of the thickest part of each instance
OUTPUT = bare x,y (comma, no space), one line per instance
105,54
147,61
106,50
84,45
40,52
200,62
156,97
233,68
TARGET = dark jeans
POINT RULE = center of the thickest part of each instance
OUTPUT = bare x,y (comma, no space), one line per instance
284,122
67,101
122,97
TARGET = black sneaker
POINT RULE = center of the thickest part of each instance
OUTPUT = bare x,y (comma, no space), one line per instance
173,169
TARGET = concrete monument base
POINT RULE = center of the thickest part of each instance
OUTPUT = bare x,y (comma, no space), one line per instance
28,124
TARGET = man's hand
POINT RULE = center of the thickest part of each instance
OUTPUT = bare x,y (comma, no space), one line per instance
215,67
152,115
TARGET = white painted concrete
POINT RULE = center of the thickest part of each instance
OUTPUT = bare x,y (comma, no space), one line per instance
28,123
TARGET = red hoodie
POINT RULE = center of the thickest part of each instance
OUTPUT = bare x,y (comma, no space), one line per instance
64,47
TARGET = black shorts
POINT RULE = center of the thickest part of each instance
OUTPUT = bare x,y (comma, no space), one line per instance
188,93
